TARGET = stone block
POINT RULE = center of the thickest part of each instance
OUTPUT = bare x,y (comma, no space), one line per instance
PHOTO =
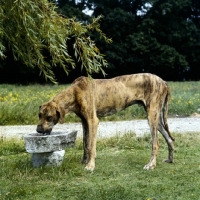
49,150
48,158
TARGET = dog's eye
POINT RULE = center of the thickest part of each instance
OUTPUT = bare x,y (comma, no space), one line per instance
49,118
39,115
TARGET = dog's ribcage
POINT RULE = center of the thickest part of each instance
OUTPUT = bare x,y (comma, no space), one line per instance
113,95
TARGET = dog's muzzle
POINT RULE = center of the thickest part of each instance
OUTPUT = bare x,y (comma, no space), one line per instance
40,129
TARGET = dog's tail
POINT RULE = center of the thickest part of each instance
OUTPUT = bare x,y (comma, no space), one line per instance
165,111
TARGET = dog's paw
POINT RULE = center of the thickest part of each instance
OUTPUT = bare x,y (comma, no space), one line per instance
84,161
90,167
149,166
168,161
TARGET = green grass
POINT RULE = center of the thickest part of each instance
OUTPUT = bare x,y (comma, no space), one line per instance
19,104
119,172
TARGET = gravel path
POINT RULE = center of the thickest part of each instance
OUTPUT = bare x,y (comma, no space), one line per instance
108,129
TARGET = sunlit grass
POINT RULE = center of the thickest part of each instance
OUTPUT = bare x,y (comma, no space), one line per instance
118,175
185,98
19,104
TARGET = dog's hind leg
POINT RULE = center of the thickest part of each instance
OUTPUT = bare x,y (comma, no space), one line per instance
164,130
153,116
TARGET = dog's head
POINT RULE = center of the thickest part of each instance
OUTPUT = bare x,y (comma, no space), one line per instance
50,114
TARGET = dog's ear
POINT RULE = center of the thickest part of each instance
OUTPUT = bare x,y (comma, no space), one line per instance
61,112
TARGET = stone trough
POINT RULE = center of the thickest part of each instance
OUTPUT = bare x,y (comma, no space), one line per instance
49,150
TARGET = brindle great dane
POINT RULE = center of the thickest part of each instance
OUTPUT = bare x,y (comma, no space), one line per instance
93,98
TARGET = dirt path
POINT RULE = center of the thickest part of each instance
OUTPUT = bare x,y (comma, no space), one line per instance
108,129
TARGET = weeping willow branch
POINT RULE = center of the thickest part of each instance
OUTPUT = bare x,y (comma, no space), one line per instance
30,28
85,49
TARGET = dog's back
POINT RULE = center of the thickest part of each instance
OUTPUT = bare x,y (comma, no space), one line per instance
113,95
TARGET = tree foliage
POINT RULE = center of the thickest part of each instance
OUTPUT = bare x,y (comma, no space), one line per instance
37,35
156,36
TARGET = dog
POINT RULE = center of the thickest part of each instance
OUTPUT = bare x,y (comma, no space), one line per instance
92,98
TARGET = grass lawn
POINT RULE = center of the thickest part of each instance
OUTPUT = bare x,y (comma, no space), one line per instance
119,172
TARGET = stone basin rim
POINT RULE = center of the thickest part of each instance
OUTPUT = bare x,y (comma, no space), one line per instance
49,143
52,134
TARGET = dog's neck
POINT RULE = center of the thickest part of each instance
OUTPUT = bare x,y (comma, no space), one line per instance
66,100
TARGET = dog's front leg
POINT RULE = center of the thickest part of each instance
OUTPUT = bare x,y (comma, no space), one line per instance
89,143
85,141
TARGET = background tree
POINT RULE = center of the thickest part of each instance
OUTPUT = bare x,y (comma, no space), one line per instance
71,9
36,35
119,21
157,36
171,25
